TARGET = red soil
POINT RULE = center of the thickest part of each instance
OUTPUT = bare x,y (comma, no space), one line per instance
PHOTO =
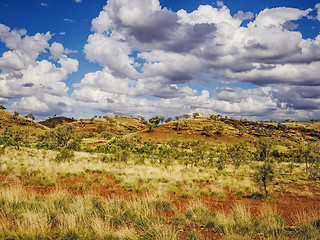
286,204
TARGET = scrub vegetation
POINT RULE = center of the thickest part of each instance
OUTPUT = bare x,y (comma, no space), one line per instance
193,178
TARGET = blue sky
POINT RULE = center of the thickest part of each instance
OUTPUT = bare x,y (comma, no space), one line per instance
246,59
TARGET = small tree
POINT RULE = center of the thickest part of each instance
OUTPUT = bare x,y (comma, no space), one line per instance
15,114
177,125
186,116
263,149
2,107
156,120
30,116
265,175
195,115
168,120
238,153
150,126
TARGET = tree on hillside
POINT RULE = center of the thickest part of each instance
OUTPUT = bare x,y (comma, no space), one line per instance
195,115
154,122
308,153
168,120
186,116
2,107
15,114
30,116
263,149
264,175
238,153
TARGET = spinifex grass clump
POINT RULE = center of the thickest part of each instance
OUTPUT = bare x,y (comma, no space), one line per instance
270,223
308,224
64,216
239,222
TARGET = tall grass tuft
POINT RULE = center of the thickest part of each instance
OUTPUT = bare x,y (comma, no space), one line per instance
308,224
158,232
270,223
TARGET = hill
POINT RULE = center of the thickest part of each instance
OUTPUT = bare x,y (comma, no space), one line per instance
10,120
116,125
23,129
229,130
55,121
214,129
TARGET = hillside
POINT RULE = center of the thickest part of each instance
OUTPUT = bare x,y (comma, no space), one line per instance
9,120
214,129
109,126
184,176
55,121
228,130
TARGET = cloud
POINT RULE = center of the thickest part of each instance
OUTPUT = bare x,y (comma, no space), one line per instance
68,20
78,1
29,79
155,61
278,16
317,6
149,51
243,16
220,3
44,5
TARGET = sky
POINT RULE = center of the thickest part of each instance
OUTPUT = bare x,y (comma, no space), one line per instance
258,60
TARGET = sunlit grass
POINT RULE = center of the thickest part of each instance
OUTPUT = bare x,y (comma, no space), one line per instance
62,215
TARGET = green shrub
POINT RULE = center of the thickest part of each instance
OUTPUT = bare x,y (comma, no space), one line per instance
264,175
64,155
11,137
47,144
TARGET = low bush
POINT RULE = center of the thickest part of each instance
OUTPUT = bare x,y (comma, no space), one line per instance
64,155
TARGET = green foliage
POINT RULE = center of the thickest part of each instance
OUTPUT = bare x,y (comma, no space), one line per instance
168,120
47,144
308,153
238,153
156,120
195,115
11,137
263,149
30,116
62,134
264,175
64,155
15,114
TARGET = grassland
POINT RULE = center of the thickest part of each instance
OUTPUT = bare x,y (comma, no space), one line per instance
198,183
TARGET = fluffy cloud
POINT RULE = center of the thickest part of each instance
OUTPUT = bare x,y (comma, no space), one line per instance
38,85
147,51
243,16
152,60
276,17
